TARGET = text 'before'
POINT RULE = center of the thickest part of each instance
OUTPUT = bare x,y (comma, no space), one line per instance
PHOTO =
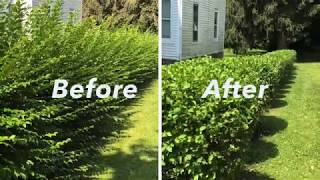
77,91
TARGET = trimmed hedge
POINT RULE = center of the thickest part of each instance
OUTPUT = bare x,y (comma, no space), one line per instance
207,138
45,138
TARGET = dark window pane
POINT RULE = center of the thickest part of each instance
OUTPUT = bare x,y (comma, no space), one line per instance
166,8
215,26
195,36
166,29
166,21
195,22
216,18
215,32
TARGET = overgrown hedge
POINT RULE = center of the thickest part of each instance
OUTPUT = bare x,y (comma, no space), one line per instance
207,138
45,138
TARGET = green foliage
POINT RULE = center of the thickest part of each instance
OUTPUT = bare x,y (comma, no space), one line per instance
11,18
45,138
141,13
268,24
206,138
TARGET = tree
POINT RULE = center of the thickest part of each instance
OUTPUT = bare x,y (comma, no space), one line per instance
93,8
142,13
235,27
271,24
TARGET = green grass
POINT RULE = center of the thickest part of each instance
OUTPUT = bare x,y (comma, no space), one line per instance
289,146
134,154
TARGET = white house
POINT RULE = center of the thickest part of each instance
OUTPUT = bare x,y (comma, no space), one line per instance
192,28
67,7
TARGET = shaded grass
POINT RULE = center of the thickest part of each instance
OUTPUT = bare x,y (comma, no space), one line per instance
289,146
229,52
310,55
134,154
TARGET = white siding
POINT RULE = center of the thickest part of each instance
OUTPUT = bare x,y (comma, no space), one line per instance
12,1
67,8
170,47
28,3
71,6
35,2
31,3
206,44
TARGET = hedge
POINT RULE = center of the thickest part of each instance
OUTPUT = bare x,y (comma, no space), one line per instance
207,138
45,138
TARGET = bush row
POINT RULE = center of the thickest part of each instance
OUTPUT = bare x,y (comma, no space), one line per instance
45,138
206,138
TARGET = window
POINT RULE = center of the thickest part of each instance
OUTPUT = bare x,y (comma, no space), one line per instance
215,25
195,22
166,18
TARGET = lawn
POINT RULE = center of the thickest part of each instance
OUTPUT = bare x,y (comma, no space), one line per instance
134,154
289,146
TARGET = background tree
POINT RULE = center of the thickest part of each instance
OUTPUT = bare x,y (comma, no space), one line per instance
142,13
269,24
235,37
93,8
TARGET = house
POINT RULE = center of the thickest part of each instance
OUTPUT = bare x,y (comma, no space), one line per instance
192,28
67,7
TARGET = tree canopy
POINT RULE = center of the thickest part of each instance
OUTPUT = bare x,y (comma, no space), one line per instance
142,13
268,24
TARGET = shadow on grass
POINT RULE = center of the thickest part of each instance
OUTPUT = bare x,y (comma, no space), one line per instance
139,163
253,175
283,89
270,125
278,103
261,150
